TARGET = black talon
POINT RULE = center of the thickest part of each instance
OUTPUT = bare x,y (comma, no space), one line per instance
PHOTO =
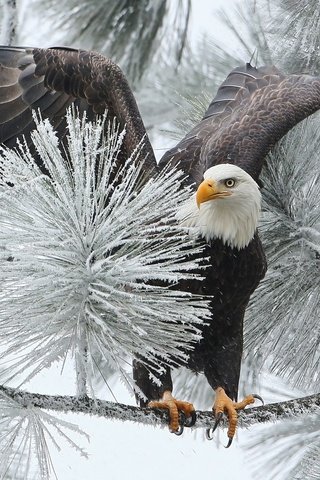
258,398
229,442
191,420
183,418
218,420
208,434
180,431
210,431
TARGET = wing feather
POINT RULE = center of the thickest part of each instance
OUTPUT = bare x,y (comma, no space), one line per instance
53,79
252,110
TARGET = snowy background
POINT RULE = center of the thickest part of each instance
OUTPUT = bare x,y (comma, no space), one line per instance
118,450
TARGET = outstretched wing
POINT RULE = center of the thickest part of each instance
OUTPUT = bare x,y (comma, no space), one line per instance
53,79
253,109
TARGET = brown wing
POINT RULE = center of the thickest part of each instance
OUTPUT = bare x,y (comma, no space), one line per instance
252,110
53,79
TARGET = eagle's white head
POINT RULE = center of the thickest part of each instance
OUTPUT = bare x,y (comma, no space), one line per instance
226,206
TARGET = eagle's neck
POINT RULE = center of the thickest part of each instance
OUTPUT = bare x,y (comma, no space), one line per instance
234,223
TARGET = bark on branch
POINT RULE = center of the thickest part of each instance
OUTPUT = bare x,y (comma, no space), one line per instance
117,411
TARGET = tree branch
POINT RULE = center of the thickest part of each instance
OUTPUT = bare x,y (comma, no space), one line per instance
118,411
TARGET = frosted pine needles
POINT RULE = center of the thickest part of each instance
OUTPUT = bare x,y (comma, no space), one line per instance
86,257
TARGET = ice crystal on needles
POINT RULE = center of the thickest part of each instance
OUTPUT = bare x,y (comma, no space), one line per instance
26,434
283,319
86,258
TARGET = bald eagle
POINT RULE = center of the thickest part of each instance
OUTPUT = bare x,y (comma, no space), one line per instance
222,158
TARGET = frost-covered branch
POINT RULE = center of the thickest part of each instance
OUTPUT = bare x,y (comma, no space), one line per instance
27,436
118,411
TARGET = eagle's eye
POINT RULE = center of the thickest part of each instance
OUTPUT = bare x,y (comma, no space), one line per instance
229,182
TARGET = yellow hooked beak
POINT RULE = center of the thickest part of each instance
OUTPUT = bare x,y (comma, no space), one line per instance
209,190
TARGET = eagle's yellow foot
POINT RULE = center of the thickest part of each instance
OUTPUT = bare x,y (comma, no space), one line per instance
224,404
174,407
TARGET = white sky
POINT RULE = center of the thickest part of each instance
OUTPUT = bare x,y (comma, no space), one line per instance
204,19
120,450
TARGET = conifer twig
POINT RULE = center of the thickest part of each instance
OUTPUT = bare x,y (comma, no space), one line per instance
118,411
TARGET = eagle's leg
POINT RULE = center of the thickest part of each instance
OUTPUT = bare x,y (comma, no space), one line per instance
224,404
175,406
152,392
